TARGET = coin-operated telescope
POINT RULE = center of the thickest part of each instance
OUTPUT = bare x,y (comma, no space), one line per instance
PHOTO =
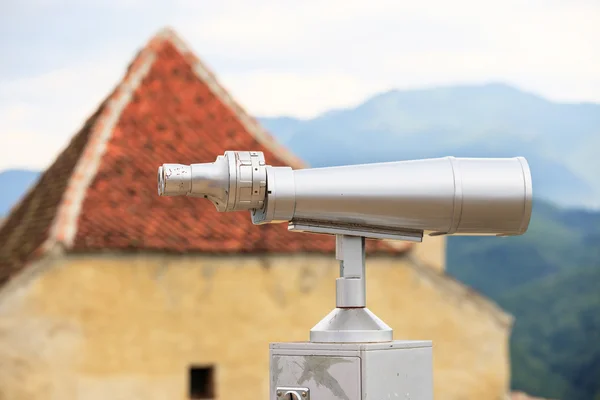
351,354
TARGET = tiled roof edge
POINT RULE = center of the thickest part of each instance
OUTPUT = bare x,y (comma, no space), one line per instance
64,227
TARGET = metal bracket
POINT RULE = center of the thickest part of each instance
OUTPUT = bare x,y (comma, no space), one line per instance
374,232
350,321
293,393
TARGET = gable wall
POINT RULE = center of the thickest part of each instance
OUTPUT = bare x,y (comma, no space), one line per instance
123,327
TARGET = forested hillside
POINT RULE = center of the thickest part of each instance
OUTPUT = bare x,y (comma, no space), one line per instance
549,279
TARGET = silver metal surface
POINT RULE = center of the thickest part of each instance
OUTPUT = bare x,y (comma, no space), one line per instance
353,371
281,195
444,195
326,377
236,181
348,349
350,292
373,232
399,200
174,179
292,393
248,180
350,321
351,325
350,286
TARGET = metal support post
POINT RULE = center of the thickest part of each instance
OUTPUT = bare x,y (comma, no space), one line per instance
350,286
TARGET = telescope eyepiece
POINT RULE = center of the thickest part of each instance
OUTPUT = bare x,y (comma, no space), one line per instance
174,180
236,181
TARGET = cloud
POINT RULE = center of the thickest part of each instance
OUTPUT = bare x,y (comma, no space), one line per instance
548,47
270,91
285,56
40,114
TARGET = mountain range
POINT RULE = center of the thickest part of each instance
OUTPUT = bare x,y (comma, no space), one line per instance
560,141
548,279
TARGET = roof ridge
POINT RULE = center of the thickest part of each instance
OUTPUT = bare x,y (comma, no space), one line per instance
64,226
26,214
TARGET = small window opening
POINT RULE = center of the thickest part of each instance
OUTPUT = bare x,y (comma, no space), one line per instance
202,382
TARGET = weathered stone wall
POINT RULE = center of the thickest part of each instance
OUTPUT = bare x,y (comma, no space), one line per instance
128,327
431,252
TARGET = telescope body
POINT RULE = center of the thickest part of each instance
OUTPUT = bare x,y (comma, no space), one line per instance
402,200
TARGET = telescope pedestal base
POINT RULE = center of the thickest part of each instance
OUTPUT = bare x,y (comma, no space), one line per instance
351,354
351,371
351,325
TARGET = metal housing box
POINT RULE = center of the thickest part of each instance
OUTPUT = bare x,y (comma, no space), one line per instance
352,371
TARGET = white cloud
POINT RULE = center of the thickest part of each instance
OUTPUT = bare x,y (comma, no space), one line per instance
40,114
549,47
297,57
277,93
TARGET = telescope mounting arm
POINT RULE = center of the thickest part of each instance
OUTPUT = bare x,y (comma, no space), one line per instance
350,286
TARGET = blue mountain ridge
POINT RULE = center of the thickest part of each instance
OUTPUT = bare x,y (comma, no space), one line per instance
493,120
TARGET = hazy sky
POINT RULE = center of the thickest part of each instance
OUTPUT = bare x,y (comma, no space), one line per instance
61,58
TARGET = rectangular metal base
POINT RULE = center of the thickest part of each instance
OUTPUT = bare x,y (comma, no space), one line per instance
352,371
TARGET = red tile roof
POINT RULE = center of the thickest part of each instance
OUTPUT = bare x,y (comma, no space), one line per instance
100,193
